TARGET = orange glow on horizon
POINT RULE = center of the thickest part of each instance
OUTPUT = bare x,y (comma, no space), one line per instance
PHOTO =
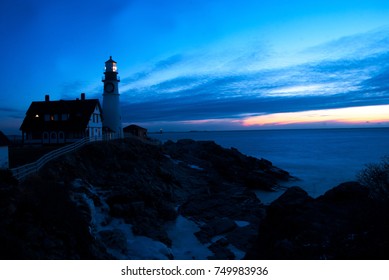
350,115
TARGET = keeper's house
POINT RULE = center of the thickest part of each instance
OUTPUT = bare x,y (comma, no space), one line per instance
63,121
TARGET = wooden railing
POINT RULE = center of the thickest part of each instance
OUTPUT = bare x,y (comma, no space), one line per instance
23,171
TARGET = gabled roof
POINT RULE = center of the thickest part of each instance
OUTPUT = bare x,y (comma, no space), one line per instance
4,141
78,113
133,127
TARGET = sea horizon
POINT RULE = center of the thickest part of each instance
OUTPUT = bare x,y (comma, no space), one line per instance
241,130
266,129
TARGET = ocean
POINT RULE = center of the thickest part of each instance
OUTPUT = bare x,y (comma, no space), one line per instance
320,158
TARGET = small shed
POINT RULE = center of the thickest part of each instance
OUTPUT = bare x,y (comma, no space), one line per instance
4,143
135,130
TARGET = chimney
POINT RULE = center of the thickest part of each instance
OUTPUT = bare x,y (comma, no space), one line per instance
47,98
82,96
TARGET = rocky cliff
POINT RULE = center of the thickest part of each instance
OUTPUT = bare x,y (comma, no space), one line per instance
188,199
89,203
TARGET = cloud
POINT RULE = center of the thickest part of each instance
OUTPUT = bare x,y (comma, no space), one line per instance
365,44
172,91
9,110
10,119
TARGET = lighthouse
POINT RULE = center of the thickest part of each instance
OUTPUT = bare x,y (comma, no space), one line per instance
112,120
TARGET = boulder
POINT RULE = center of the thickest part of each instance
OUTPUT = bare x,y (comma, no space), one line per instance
243,237
344,223
347,191
221,250
114,239
292,197
218,226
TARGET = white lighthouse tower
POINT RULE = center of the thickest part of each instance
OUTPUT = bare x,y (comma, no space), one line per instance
112,119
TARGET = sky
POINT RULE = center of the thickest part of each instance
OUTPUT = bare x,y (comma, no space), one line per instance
202,64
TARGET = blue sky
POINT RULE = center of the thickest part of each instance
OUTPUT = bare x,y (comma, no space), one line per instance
202,64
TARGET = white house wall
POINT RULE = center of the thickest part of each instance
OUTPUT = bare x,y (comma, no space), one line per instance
95,125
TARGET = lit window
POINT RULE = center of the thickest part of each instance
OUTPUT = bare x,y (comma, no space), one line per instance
36,116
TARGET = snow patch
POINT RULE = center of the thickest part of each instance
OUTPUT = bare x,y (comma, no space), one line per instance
117,235
176,161
238,253
185,245
242,223
121,243
136,247
195,167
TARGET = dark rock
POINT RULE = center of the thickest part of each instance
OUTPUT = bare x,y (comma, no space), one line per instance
346,191
203,237
46,224
243,237
114,239
344,223
227,202
227,164
142,184
7,179
220,250
219,226
292,197
278,173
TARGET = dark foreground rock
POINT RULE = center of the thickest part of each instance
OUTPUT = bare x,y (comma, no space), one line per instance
344,223
93,203
39,221
85,205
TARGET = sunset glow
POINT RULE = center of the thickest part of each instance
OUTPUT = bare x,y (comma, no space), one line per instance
352,115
